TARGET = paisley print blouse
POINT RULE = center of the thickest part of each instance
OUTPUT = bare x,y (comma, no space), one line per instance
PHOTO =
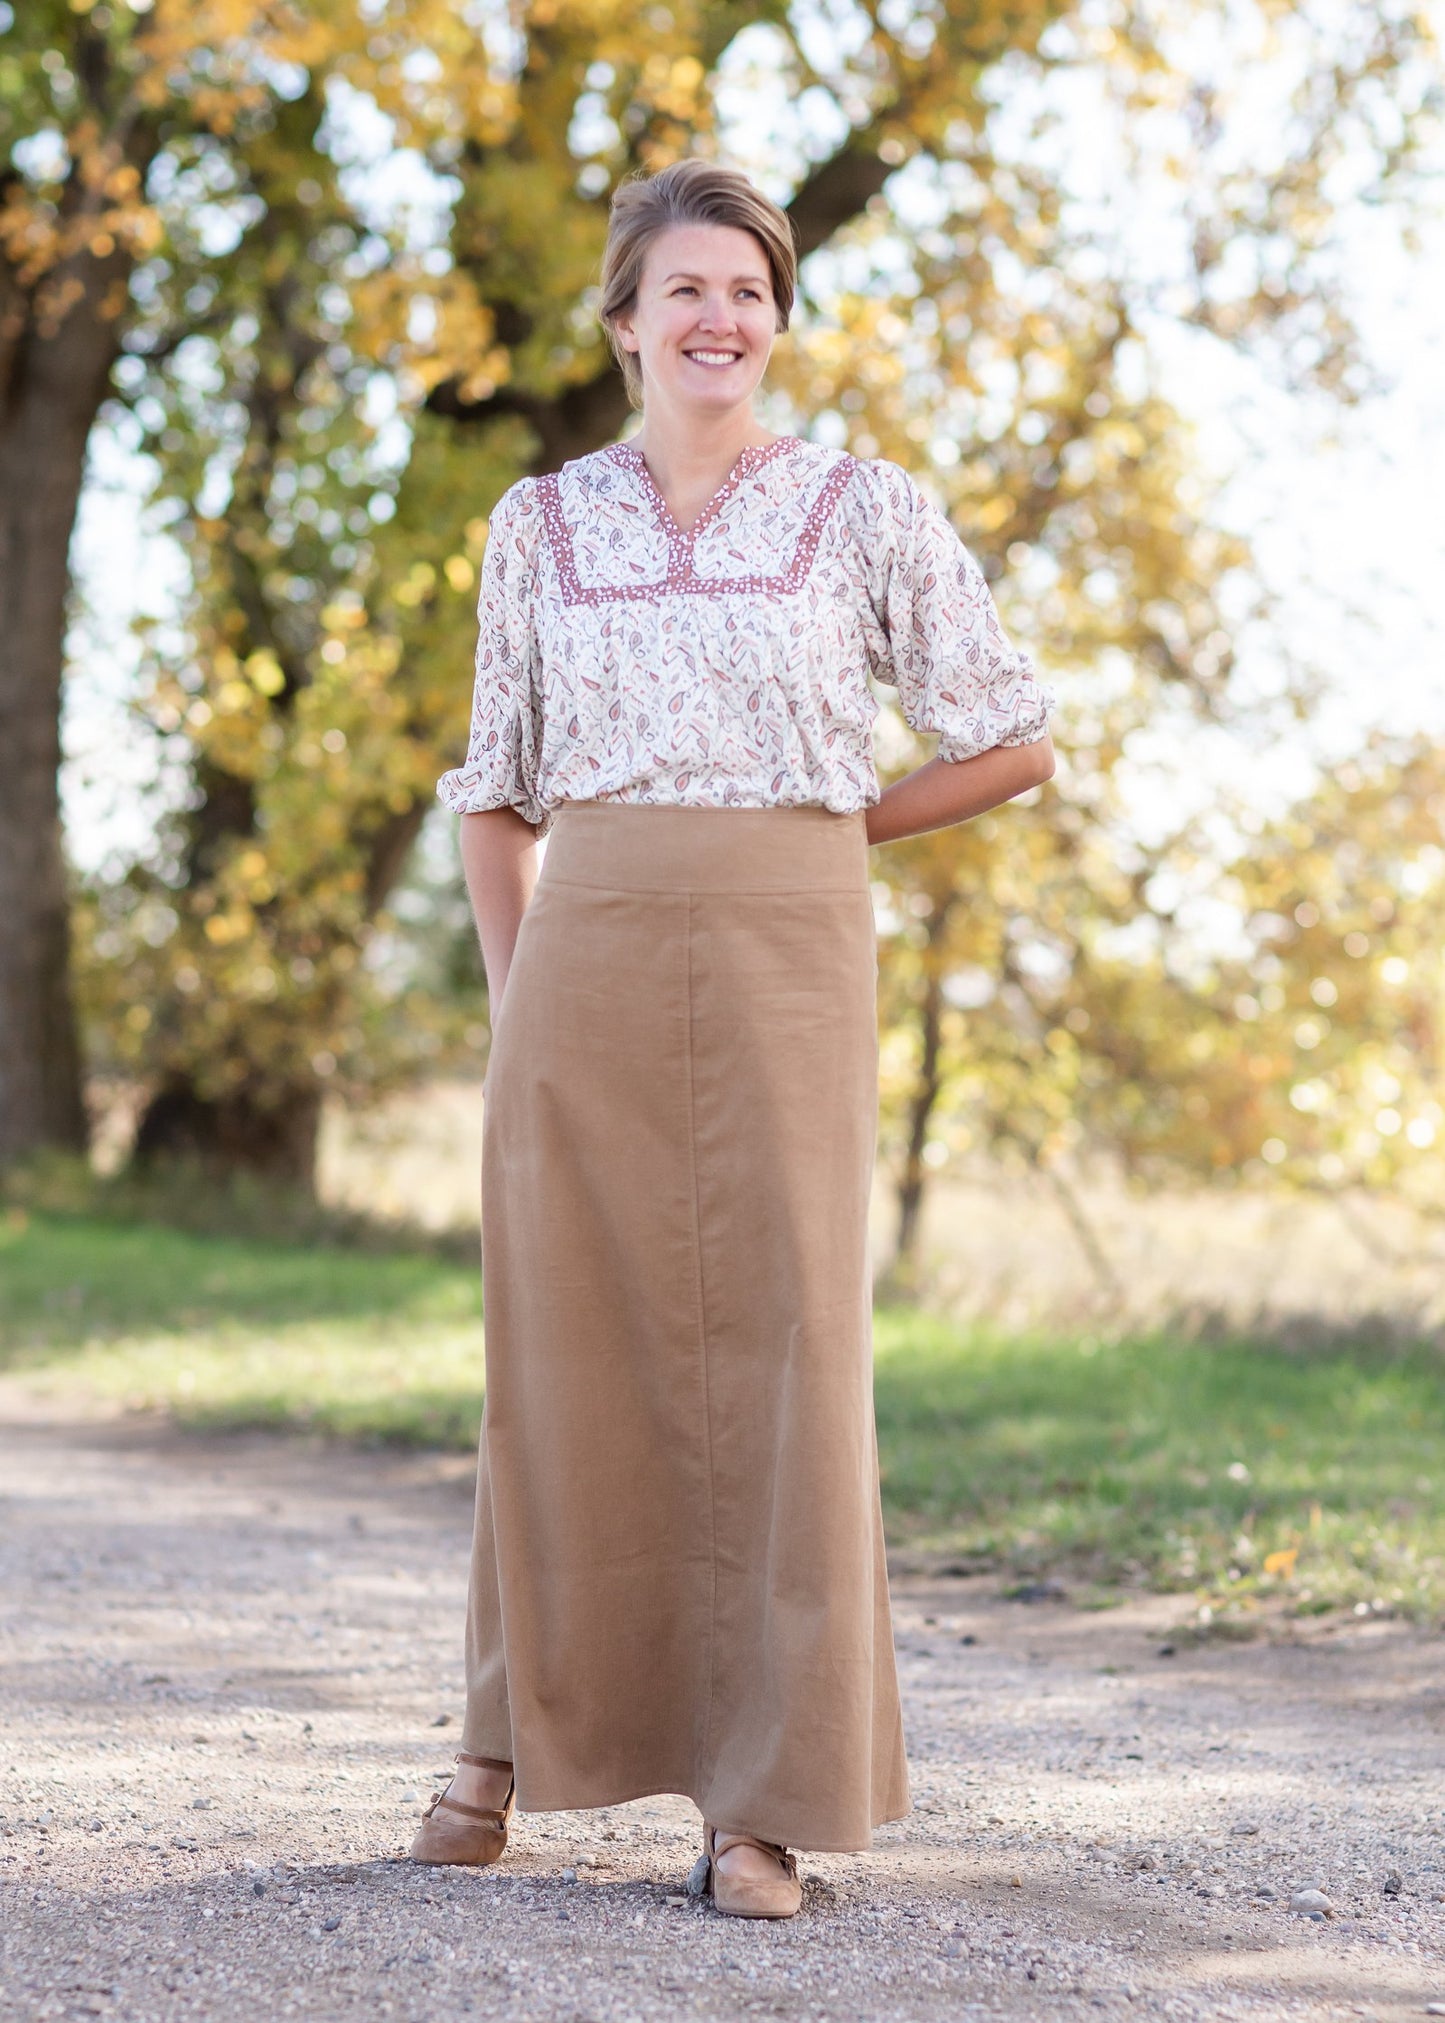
623,658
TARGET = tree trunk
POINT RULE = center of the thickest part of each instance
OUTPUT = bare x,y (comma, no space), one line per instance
927,1087
921,1104
225,1135
275,1138
54,370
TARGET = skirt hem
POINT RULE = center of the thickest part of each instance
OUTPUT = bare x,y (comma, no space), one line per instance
632,1794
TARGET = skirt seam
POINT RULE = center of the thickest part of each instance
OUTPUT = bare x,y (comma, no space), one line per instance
702,1345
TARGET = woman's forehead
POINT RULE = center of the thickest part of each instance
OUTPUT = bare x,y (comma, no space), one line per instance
706,252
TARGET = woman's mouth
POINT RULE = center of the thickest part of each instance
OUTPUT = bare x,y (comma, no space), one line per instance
713,359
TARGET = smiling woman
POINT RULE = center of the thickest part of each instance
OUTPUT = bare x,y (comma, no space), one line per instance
678,1575
699,267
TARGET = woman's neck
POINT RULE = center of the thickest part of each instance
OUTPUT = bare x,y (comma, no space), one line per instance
691,455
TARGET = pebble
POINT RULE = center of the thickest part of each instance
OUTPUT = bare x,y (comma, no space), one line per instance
331,1925
1037,1591
1435,2008
569,1875
1393,1884
1313,1902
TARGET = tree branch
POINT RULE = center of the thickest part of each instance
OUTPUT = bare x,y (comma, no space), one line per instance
837,191
1099,1260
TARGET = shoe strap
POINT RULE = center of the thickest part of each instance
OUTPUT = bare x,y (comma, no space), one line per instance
482,1762
722,1841
442,1803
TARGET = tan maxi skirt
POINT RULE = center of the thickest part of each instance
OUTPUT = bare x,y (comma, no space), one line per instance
678,1581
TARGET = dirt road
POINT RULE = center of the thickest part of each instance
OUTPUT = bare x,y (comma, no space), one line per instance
229,1676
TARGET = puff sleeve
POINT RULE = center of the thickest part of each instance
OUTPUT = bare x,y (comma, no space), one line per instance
939,639
503,752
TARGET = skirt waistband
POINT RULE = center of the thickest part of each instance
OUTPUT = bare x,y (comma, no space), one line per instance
627,846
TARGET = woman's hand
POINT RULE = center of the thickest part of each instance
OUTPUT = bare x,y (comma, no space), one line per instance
953,790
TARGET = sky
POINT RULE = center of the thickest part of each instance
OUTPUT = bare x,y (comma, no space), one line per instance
1345,512
1343,508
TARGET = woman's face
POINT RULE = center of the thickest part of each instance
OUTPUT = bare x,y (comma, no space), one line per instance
704,319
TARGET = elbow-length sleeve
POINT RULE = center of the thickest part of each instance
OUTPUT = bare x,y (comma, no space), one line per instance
503,752
942,643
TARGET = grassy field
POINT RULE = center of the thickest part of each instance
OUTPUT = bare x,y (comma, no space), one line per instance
1230,1470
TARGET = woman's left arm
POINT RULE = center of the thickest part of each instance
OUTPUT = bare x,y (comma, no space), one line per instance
953,790
941,644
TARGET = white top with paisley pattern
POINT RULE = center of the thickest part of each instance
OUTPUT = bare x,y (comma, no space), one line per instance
624,658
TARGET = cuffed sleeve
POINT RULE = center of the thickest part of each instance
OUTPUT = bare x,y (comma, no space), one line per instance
501,767
941,642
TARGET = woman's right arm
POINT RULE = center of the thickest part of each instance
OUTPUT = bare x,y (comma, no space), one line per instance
499,859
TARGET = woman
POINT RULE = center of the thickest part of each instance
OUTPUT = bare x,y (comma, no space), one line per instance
678,1579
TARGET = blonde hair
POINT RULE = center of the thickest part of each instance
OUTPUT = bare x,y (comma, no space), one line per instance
687,193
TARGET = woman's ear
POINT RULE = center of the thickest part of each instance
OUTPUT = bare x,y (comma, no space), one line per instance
626,335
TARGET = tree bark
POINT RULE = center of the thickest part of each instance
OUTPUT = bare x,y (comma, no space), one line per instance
921,1104
55,366
232,1134
927,1087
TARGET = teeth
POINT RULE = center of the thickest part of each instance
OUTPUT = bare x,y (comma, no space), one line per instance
715,357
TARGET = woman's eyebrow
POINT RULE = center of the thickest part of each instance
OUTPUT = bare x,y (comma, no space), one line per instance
757,280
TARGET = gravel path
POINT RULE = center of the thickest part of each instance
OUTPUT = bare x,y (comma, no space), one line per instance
229,1674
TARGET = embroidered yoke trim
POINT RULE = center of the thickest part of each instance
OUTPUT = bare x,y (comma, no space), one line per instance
681,577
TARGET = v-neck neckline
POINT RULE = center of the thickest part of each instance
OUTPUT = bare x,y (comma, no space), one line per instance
751,458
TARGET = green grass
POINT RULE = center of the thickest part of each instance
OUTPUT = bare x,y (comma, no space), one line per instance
1163,1461
239,1333
1181,1463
